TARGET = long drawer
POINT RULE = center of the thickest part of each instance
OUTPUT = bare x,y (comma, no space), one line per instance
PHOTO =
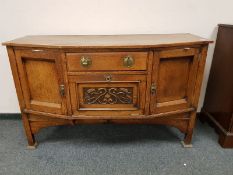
109,61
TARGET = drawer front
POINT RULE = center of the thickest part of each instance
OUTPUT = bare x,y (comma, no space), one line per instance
107,61
103,94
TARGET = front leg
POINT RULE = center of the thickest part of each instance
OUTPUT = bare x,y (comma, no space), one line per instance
188,135
30,136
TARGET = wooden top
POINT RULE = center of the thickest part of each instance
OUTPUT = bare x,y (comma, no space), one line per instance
107,41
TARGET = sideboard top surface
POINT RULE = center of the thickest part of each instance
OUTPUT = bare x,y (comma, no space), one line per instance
107,41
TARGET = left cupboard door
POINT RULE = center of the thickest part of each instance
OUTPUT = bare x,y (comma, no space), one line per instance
41,78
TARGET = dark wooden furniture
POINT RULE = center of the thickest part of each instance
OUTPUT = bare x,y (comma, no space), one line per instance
218,104
153,79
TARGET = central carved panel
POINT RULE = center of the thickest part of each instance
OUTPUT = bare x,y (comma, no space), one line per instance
108,95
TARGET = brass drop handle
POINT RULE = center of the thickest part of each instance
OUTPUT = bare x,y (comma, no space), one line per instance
85,61
62,90
128,61
153,89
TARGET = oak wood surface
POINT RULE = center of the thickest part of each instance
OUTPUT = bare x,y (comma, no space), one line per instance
162,86
174,76
107,61
179,121
78,84
40,75
108,41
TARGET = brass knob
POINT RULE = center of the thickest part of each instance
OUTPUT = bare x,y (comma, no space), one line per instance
128,61
85,61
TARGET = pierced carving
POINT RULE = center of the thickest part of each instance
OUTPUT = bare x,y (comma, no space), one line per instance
108,95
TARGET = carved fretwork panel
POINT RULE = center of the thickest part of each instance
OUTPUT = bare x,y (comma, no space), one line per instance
108,95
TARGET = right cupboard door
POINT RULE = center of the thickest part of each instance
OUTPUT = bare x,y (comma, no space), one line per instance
173,79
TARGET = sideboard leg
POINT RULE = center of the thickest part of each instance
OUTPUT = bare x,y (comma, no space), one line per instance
30,136
187,143
188,136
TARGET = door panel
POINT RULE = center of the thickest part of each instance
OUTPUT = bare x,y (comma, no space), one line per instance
174,74
41,75
121,95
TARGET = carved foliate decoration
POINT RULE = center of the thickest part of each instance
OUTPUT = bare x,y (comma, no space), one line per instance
108,95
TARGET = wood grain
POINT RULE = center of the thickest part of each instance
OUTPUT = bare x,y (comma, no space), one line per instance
108,41
55,89
40,79
107,61
79,83
174,78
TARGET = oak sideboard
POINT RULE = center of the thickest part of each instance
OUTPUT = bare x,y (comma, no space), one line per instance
134,79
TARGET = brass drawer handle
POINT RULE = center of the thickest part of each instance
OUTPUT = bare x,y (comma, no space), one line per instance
85,61
128,61
108,77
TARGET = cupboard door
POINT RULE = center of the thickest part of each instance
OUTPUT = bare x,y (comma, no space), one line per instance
101,94
41,79
173,79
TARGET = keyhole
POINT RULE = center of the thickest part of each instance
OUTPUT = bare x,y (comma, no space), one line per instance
108,77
